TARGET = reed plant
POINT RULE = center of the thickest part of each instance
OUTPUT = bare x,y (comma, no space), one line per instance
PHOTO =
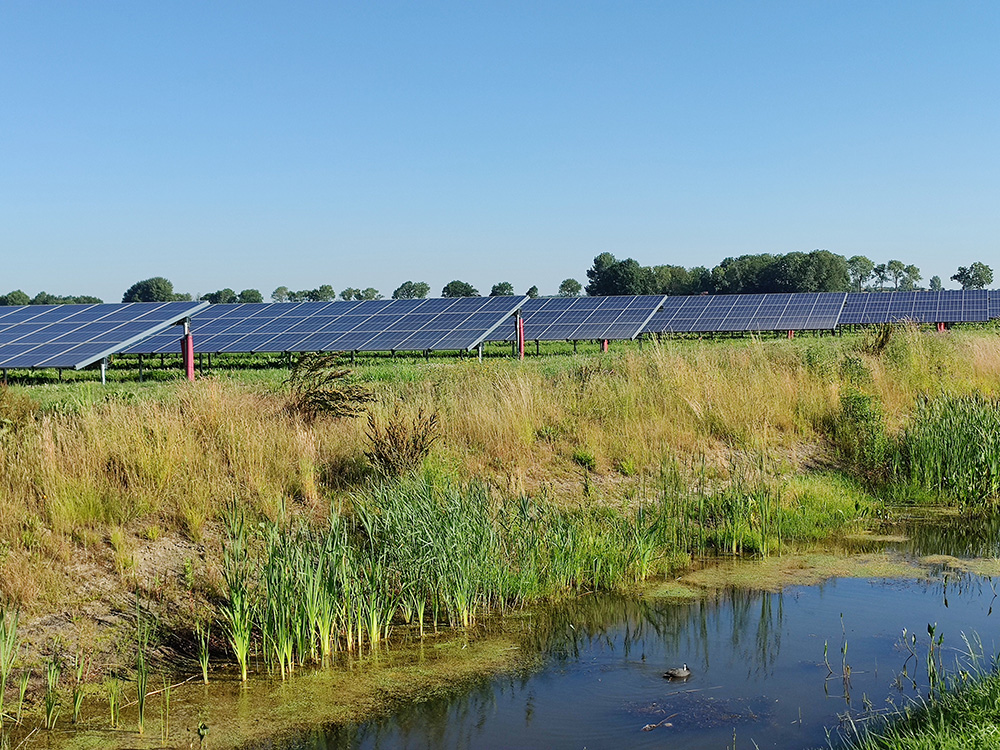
952,446
9,646
78,689
238,609
165,710
53,671
22,691
203,634
113,690
143,630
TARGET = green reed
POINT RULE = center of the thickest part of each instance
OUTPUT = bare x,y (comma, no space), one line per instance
113,688
425,553
203,634
952,445
238,609
9,646
78,691
51,700
143,631
22,690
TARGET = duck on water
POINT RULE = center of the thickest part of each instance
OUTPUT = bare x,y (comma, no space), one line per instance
677,673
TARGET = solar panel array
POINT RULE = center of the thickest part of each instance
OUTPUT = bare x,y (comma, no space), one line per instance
953,306
74,336
748,312
585,318
365,326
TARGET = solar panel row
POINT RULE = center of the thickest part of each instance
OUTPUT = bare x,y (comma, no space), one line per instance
748,312
366,326
74,336
953,306
77,335
585,318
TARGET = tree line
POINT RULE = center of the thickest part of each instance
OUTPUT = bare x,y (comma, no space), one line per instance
763,273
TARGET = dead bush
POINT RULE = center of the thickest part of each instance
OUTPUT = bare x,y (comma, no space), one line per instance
400,442
318,387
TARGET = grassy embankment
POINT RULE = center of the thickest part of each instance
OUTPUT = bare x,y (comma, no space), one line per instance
566,474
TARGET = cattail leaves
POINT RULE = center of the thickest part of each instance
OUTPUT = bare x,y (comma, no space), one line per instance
952,445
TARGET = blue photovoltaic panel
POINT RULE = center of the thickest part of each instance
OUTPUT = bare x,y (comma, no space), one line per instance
370,325
993,304
584,318
952,306
748,312
65,336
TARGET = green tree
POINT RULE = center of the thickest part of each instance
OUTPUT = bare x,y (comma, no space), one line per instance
597,273
977,276
280,294
749,274
609,276
896,270
155,289
502,289
935,284
221,297
459,289
250,296
860,269
532,292
570,288
17,297
412,290
881,274
370,293
325,293
350,294
911,275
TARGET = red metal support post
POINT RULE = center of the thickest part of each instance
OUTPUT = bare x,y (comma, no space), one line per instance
187,351
604,346
520,337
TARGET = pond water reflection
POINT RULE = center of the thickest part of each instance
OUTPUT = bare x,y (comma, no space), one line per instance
768,669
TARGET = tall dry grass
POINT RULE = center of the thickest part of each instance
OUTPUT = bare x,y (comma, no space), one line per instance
181,458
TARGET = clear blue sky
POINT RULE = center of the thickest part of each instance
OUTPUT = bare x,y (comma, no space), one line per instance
249,144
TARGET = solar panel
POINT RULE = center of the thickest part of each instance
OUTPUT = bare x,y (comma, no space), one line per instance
65,336
585,318
748,312
370,325
951,306
992,304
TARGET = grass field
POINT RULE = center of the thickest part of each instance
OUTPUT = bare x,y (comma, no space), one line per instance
626,463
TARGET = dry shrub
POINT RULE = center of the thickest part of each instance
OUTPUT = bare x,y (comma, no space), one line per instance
319,388
400,442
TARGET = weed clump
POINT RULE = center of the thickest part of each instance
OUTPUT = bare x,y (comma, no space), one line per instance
319,388
860,434
399,443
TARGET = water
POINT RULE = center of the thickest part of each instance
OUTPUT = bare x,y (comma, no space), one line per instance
769,670
759,674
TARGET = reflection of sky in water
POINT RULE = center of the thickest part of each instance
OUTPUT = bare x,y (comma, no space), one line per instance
757,661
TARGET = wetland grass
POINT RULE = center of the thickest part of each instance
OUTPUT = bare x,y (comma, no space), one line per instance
203,634
9,647
51,701
952,446
424,553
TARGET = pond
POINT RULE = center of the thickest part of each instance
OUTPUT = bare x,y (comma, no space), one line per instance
769,669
